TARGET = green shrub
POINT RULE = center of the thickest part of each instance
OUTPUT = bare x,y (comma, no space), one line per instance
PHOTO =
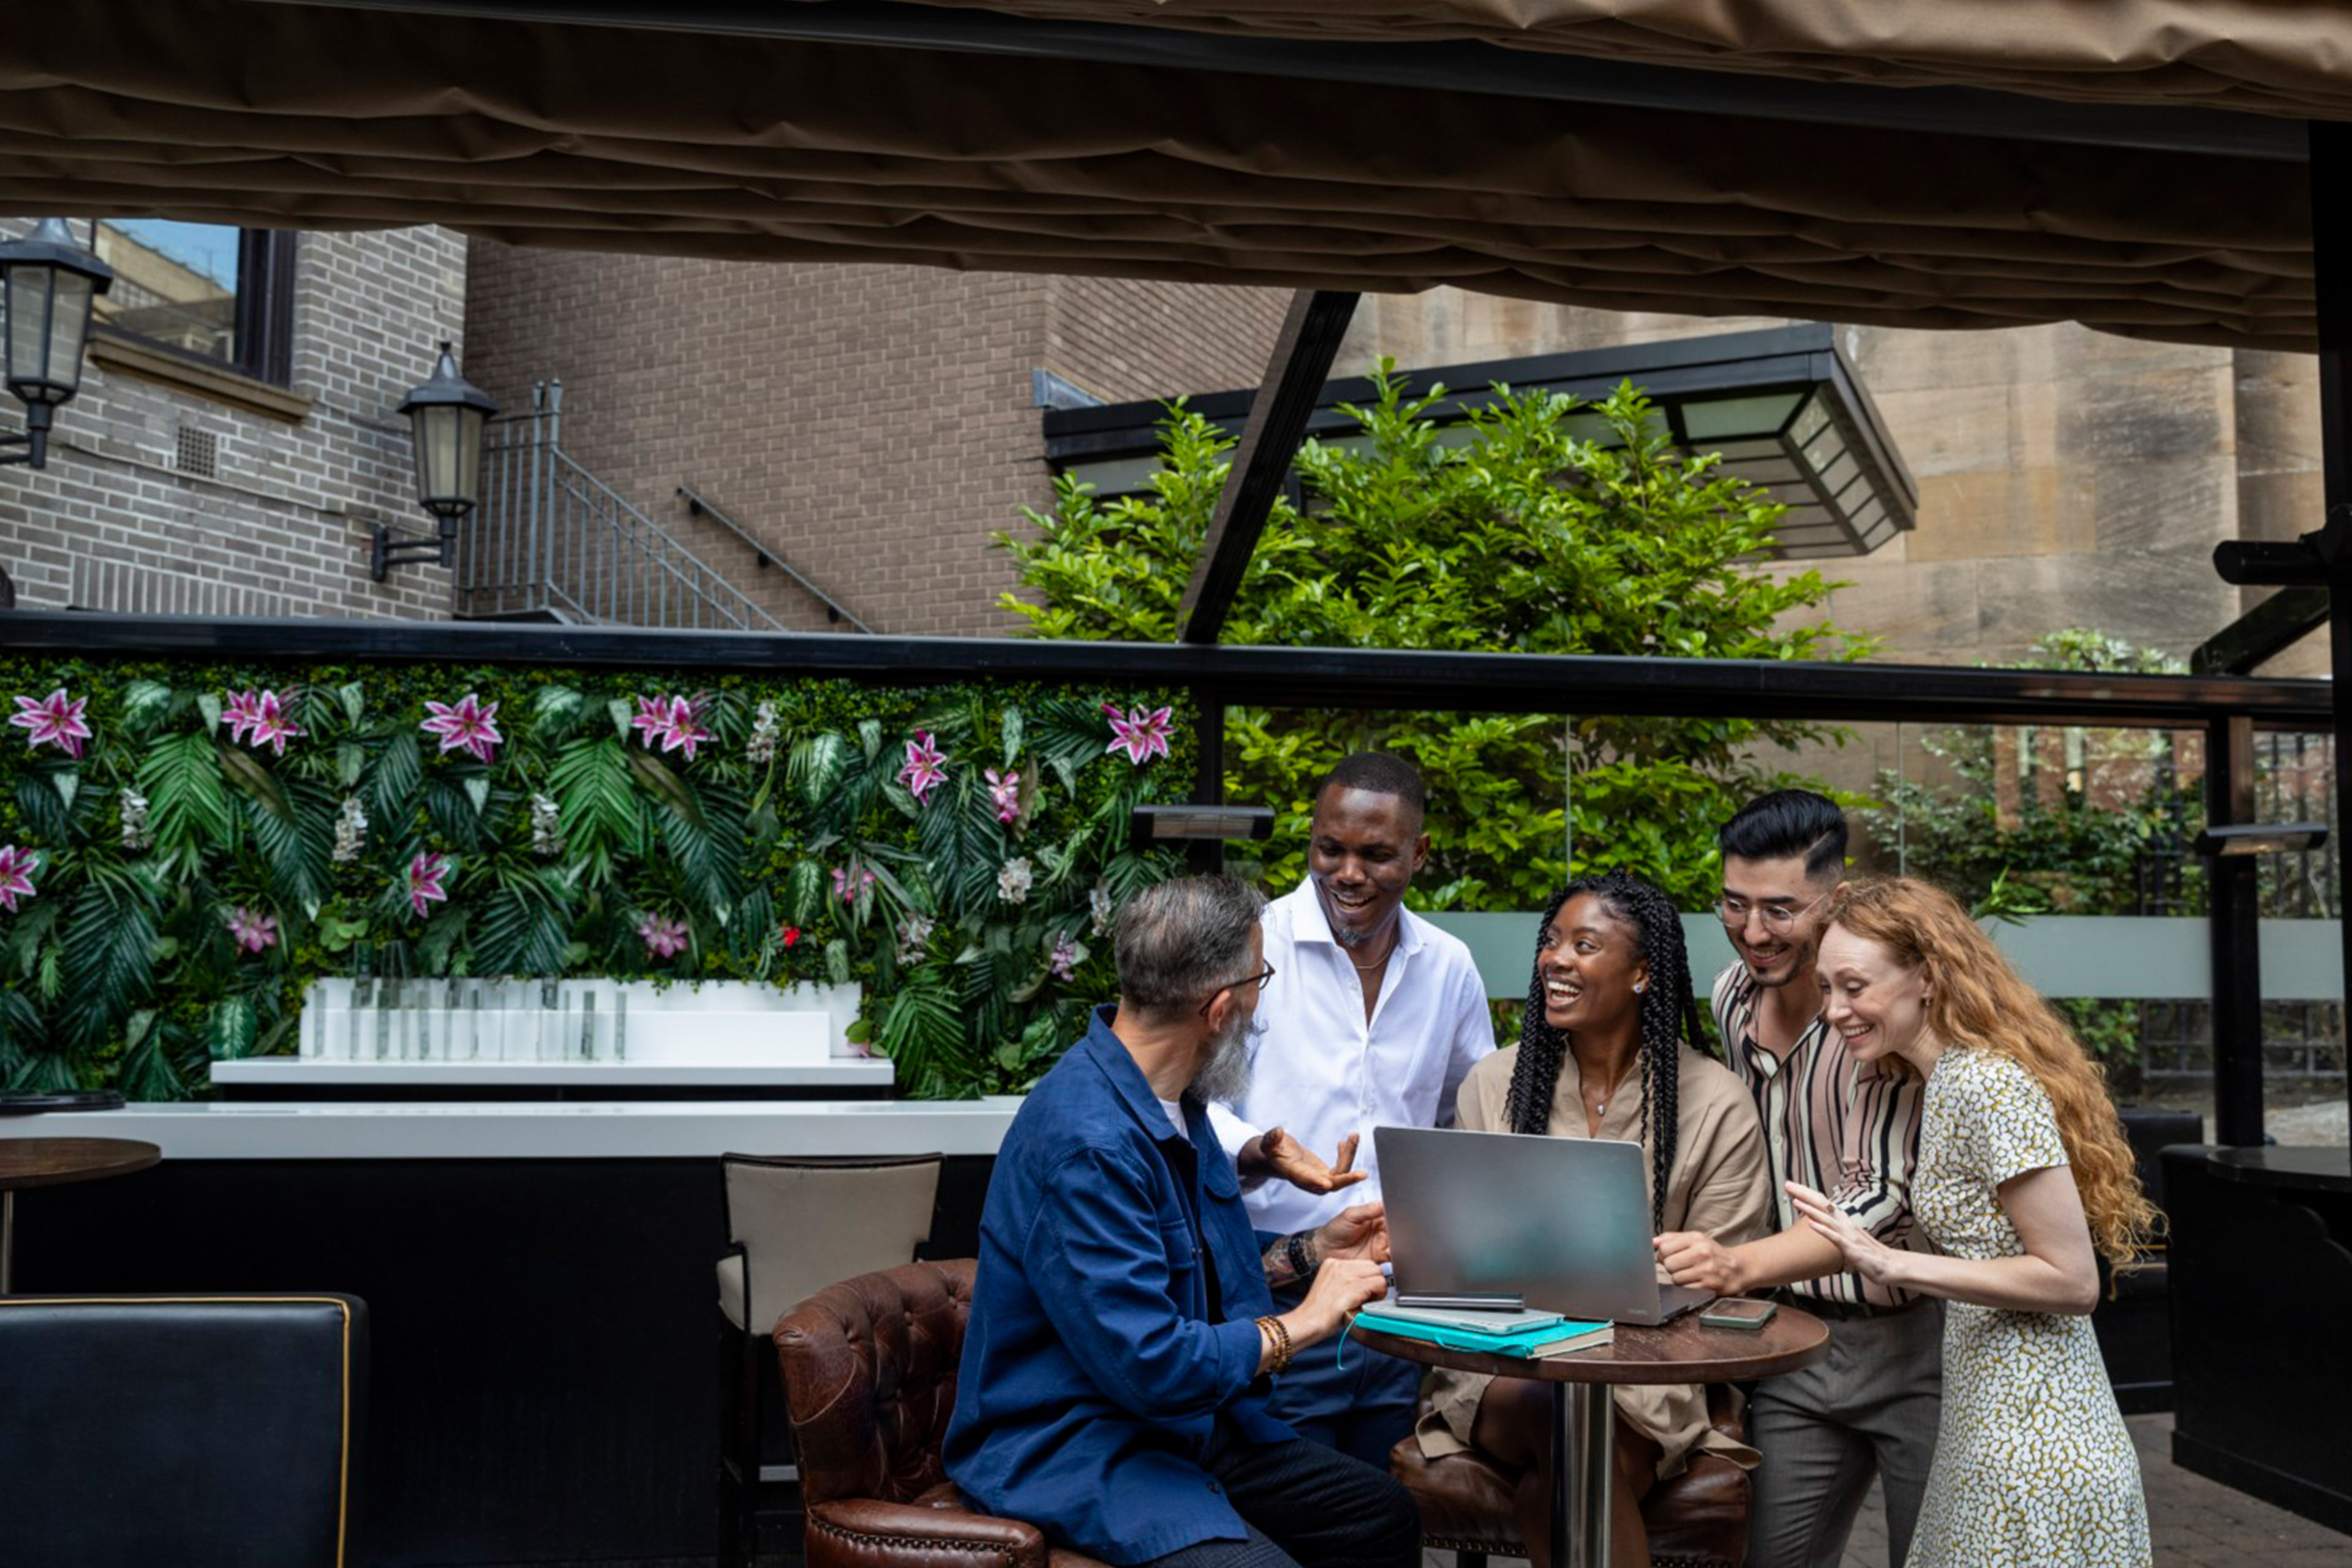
1513,532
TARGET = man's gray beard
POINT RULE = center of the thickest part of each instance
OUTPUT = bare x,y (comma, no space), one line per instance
1224,1077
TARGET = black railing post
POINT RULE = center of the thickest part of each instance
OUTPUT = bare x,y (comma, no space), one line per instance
2331,274
1207,857
2234,918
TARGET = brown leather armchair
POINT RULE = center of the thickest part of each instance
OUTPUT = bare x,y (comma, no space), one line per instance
1698,1520
870,1369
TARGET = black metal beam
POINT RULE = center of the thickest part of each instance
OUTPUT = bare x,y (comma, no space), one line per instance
1461,66
1294,373
1350,678
2263,633
2234,919
2331,271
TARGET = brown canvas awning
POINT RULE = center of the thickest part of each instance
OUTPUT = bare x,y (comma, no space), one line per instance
711,136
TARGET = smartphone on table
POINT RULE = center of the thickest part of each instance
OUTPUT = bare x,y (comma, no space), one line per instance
1737,1312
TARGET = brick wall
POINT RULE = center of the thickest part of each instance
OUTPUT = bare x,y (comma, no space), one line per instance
124,518
873,425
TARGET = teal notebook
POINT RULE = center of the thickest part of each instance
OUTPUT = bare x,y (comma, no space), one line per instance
1548,1334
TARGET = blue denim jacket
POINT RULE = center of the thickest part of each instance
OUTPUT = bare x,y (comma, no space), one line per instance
1092,1370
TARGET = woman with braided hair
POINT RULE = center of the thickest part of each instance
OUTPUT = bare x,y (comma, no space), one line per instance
1606,1050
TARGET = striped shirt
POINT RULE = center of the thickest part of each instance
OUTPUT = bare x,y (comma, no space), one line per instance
1845,1128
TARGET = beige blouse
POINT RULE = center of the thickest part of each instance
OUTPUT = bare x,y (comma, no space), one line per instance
1719,1184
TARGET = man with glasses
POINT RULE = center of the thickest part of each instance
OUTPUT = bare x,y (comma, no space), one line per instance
1375,1019
1114,1391
1839,1126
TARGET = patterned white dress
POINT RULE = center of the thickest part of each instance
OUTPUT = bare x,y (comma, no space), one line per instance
2034,1466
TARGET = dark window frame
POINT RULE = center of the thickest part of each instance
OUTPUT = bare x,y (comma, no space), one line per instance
265,312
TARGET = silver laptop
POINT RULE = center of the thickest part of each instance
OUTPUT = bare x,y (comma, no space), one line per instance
1502,1219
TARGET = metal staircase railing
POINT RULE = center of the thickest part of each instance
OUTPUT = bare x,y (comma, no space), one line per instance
553,541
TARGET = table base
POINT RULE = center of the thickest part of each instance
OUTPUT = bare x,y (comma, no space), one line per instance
1583,1473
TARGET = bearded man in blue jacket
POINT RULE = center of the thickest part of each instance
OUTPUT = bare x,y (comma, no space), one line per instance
1117,1362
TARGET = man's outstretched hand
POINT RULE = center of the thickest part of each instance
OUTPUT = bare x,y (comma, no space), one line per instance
1280,1154
1361,1232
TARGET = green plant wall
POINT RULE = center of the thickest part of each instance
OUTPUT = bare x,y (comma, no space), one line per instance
185,845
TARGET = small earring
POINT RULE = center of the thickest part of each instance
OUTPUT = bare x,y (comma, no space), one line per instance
1639,986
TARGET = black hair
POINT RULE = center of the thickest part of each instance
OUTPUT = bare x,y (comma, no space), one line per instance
1378,772
1669,1017
1785,824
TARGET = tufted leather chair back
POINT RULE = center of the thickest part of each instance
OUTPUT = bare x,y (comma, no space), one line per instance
870,1369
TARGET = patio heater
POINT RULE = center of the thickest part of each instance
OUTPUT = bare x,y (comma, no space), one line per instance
50,285
445,416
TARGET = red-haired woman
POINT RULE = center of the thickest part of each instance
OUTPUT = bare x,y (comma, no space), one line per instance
2023,1174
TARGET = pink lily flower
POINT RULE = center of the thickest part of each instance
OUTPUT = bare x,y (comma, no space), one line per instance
261,718
1140,735
926,767
685,730
243,713
663,938
253,930
17,868
846,887
55,720
425,875
1006,792
652,722
469,725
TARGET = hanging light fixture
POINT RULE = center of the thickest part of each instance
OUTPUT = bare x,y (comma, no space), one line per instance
445,416
48,286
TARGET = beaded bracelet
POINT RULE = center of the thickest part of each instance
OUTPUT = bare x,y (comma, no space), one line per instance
1281,1337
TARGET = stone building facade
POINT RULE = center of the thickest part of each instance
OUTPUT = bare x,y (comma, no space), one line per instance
2067,478
180,485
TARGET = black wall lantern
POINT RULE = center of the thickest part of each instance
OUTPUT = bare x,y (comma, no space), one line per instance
50,285
445,416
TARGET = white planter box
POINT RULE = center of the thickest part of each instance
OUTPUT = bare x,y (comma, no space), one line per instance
717,1024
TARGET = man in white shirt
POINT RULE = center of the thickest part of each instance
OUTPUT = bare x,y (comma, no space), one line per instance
1373,1018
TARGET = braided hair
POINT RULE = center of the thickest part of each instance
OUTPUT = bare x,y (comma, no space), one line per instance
1669,1017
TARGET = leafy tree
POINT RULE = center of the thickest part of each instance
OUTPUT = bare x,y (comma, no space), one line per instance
1543,525
2028,821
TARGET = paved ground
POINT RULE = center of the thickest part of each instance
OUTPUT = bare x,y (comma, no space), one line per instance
2195,1523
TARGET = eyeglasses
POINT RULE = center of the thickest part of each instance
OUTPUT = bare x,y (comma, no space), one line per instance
1778,918
1235,986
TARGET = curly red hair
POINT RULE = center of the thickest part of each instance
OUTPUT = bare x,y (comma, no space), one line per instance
1976,999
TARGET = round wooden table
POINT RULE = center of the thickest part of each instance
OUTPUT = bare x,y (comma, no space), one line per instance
1583,1452
52,1162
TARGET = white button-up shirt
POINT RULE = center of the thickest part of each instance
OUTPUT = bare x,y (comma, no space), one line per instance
1322,1072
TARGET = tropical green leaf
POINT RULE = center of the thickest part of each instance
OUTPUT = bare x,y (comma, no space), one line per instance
521,927
247,773
803,887
350,761
229,1029
353,697
298,846
672,790
1011,729
108,952
453,814
42,810
597,798
144,705
188,809
392,785
816,765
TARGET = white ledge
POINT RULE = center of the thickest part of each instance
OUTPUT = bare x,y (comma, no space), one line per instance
560,1129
